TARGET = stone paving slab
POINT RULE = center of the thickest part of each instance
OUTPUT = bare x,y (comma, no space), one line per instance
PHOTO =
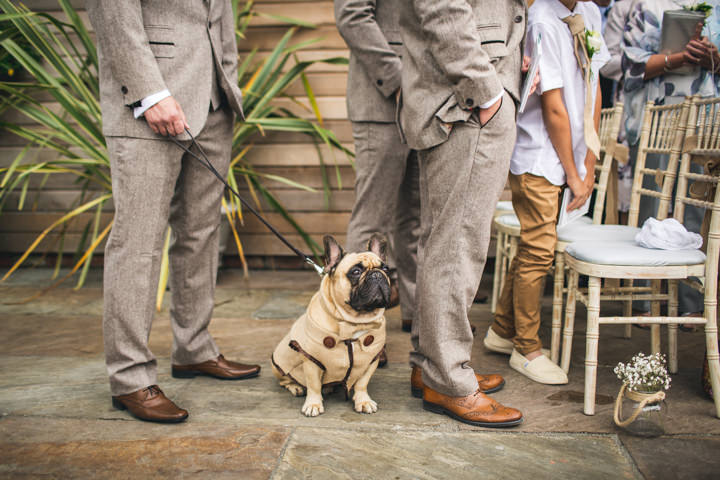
679,457
62,448
56,418
400,455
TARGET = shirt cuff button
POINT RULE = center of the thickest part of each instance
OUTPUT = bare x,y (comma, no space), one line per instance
469,102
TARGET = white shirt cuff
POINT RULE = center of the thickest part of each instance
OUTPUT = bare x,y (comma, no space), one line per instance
149,101
490,103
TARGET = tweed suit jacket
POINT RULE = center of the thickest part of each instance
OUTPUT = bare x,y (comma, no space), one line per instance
370,28
458,54
145,47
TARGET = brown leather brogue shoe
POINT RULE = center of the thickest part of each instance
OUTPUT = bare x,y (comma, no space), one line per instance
476,409
218,368
150,404
487,383
382,358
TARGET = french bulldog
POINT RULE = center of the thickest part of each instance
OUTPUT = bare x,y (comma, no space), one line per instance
338,340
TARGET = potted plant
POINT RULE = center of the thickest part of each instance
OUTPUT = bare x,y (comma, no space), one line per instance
644,379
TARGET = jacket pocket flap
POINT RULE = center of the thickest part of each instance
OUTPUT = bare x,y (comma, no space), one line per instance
451,112
492,37
162,41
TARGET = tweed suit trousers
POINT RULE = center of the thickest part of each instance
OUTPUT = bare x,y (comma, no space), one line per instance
387,201
460,183
156,183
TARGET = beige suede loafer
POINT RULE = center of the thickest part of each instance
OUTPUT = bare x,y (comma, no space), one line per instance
540,369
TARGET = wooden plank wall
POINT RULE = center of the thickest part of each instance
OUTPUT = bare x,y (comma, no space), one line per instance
289,155
285,154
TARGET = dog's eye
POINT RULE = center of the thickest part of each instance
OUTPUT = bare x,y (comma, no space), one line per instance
355,271
385,268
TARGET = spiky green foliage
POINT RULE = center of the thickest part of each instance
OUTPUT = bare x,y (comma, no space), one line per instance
60,59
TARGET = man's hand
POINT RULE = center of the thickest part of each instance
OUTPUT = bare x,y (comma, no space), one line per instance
580,191
486,114
166,118
525,68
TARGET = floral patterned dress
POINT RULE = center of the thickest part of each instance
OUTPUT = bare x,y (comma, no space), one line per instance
640,42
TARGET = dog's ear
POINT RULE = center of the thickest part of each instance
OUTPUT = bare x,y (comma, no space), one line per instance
333,253
378,245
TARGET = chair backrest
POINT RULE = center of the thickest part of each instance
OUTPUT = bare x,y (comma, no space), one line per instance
663,133
610,119
702,145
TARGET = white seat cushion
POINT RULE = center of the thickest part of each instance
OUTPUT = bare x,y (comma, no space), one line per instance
631,254
510,220
504,206
581,232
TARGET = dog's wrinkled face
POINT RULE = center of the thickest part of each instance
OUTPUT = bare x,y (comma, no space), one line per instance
358,280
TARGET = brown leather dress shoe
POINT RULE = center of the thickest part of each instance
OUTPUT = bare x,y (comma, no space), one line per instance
150,404
488,383
476,409
218,368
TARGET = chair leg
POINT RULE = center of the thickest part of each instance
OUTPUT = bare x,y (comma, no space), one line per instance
513,248
655,312
591,349
627,311
569,321
496,277
557,306
711,339
672,327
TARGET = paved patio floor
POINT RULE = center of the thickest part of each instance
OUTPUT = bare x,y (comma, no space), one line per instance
56,420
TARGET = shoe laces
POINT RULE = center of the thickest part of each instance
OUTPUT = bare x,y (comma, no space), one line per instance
493,404
153,390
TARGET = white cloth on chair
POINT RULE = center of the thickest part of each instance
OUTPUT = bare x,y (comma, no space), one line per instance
668,234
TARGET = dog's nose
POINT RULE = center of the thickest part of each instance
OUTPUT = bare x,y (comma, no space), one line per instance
377,274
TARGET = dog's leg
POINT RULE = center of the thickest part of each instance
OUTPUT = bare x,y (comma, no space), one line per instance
363,402
313,403
292,386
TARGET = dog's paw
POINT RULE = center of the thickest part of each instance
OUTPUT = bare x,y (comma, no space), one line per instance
312,408
296,390
365,404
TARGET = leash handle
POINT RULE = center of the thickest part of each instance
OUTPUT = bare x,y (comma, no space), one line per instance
203,159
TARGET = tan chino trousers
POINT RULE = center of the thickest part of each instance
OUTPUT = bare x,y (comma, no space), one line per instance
536,202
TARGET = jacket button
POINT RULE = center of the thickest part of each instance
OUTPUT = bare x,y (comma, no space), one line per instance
368,340
518,19
380,82
329,342
124,90
209,24
470,102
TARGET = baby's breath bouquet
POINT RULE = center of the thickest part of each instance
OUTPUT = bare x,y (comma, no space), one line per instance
644,373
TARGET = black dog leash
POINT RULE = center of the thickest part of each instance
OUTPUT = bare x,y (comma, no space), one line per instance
203,159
